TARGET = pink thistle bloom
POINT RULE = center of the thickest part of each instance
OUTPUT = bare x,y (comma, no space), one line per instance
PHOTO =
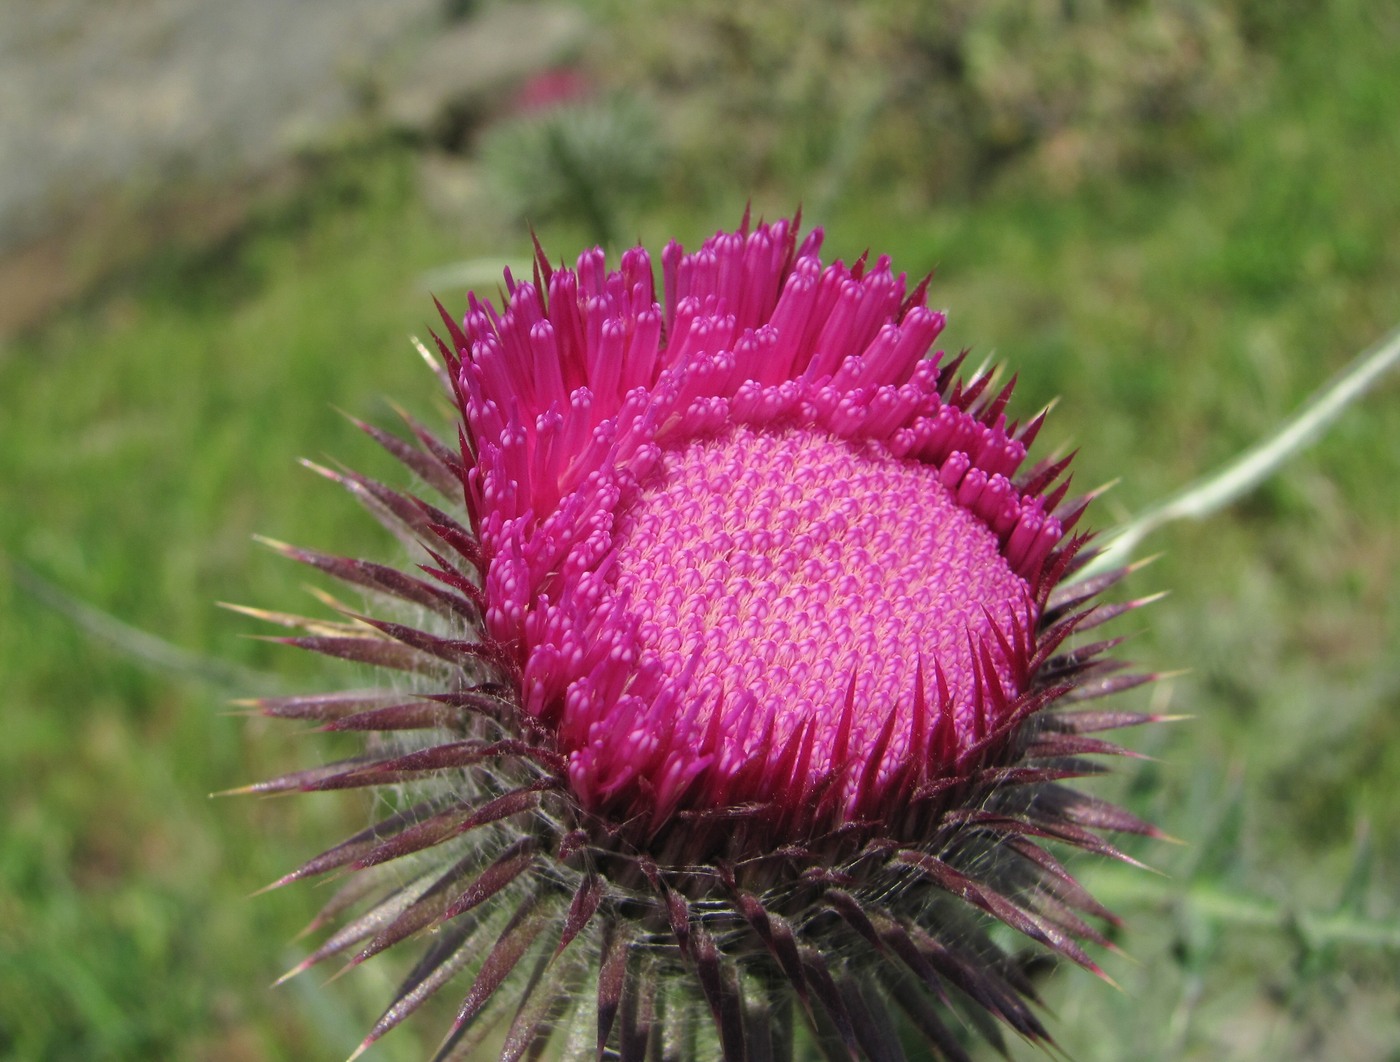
738,667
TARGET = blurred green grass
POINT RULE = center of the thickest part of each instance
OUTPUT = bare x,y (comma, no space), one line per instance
1177,314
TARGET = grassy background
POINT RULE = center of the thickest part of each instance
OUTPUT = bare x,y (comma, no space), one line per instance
1178,306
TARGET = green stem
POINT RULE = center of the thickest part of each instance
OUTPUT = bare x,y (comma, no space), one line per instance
1124,890
136,644
1213,492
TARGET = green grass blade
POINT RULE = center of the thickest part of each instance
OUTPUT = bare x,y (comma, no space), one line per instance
1213,492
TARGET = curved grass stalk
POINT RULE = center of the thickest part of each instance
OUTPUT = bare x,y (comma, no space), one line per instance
1211,493
140,646
472,273
1227,906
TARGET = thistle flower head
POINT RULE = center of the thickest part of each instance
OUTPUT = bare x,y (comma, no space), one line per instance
738,680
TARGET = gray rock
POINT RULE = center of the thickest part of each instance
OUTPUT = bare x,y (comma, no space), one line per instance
118,105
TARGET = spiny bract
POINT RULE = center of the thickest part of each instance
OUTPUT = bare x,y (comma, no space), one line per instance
735,693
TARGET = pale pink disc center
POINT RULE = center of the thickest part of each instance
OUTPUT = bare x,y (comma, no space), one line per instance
774,566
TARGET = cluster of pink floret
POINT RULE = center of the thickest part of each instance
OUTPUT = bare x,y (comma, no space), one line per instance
586,395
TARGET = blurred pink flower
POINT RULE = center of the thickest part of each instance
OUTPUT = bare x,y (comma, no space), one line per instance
556,87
